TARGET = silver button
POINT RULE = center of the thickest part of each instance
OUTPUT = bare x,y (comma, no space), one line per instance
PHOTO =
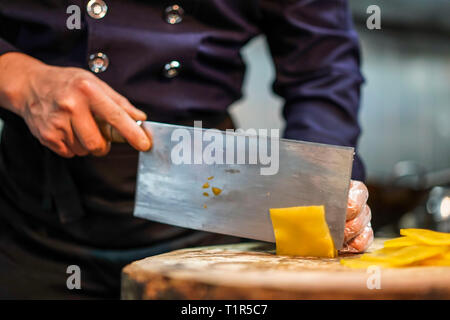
172,69
174,14
97,9
98,62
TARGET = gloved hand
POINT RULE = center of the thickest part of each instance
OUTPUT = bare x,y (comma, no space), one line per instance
358,233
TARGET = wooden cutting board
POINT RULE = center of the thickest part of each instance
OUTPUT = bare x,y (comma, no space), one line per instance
253,271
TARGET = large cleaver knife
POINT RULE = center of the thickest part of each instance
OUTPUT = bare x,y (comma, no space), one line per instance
181,193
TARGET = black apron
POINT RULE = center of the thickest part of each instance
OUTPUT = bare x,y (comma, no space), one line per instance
57,212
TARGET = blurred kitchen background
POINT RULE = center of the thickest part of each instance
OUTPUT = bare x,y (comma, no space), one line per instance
405,111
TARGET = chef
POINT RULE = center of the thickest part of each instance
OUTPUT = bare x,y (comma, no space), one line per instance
66,194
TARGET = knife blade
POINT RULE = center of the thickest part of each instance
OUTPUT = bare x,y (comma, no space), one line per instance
174,193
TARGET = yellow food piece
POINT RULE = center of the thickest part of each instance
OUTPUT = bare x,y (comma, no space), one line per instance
206,185
400,242
403,256
302,231
216,191
430,237
210,178
442,260
206,194
379,254
418,247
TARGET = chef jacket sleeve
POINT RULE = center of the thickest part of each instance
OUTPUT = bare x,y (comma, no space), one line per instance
6,47
316,54
8,33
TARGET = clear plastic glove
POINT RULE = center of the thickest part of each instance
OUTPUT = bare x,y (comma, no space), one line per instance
358,233
355,226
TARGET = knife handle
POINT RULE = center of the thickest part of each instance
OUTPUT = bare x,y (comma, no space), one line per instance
110,133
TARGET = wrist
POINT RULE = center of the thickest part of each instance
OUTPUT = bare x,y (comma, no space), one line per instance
16,73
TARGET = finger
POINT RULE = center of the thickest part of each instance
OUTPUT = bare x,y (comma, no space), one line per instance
361,243
134,112
59,147
148,133
77,148
355,226
106,109
54,140
73,143
88,134
357,198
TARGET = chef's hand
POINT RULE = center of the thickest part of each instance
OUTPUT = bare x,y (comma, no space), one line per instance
59,105
358,234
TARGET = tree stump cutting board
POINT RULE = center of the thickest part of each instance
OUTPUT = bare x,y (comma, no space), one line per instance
253,271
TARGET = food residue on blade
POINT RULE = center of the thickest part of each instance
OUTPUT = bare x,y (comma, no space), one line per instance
232,171
216,191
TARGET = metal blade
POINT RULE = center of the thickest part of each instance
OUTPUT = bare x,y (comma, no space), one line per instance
309,174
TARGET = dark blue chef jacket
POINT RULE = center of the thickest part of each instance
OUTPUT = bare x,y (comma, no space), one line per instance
178,61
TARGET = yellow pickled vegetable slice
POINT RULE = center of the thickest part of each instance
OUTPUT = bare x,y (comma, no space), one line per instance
380,253
302,231
400,242
404,256
430,237
439,260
